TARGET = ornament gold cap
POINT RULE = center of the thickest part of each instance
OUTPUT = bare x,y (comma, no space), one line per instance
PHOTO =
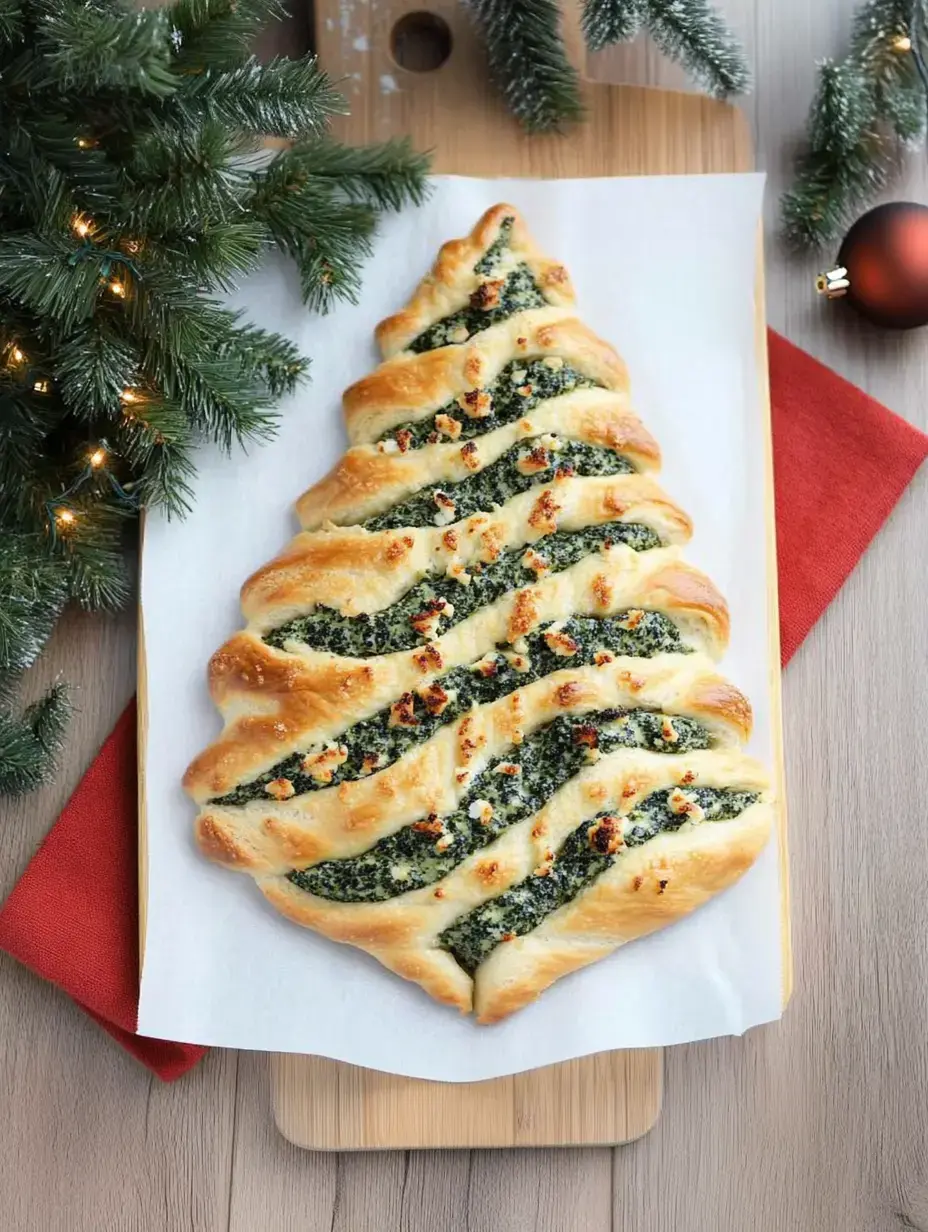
834,284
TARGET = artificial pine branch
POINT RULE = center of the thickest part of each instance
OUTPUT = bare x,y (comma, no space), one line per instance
865,109
880,27
92,47
528,61
611,21
218,33
383,176
29,743
692,32
284,98
129,196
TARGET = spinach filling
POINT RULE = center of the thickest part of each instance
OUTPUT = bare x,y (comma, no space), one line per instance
392,629
374,743
500,246
585,854
518,389
508,791
518,291
499,482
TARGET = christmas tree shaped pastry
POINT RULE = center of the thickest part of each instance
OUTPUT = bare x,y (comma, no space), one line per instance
473,725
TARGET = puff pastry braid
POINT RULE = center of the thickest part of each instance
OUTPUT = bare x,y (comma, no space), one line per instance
473,724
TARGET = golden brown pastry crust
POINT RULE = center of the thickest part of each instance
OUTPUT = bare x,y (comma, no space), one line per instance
452,279
696,862
652,886
366,481
276,703
354,570
343,821
411,388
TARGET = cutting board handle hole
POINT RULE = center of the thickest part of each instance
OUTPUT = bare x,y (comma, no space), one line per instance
421,42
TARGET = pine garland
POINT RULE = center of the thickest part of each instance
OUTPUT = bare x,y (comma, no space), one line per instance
528,61
867,109
133,190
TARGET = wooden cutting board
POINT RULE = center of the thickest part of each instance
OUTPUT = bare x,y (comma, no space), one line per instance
448,108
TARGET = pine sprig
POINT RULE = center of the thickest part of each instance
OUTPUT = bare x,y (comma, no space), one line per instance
843,161
866,108
528,61
694,33
30,743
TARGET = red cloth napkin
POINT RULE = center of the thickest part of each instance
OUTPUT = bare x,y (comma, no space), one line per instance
74,914
73,917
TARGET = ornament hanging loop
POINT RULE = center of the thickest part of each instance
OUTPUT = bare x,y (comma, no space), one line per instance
834,284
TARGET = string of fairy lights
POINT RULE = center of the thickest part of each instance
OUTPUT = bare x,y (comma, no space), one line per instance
63,514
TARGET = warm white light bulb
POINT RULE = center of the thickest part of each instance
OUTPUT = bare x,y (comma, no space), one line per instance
117,288
902,43
97,458
64,517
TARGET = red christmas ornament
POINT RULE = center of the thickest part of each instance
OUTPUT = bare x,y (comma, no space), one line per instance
882,267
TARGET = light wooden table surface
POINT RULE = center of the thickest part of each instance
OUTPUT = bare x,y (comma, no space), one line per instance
818,1124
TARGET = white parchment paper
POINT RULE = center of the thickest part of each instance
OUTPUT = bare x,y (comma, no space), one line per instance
664,269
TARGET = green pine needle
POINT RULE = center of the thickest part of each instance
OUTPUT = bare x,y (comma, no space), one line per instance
528,61
94,47
39,274
48,717
898,91
268,357
695,34
387,176
30,743
33,590
184,176
865,109
843,165
217,33
92,366
12,22
216,251
285,98
611,21
93,556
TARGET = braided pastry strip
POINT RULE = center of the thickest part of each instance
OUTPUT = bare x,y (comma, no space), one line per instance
478,686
